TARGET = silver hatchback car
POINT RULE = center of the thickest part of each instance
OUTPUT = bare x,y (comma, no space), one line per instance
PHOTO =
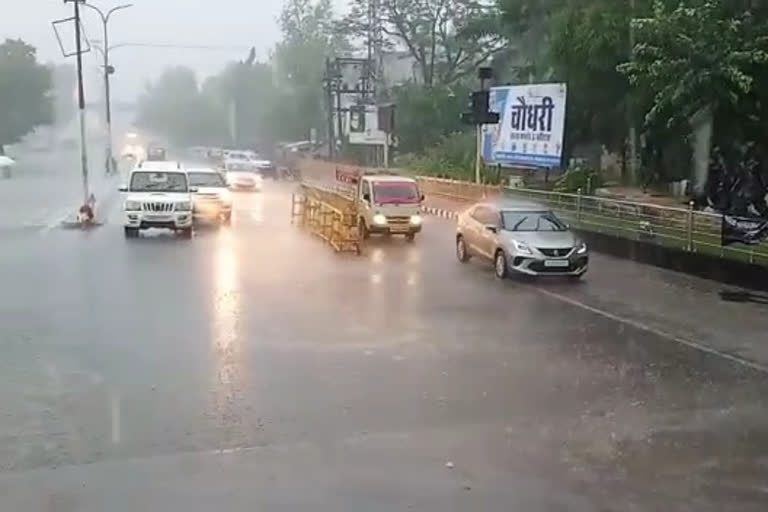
526,238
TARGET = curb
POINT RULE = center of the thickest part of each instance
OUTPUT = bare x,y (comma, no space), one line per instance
440,212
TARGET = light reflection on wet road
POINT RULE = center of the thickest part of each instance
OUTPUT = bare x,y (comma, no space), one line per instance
124,359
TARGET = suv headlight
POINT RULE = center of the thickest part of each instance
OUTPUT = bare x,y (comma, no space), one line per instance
132,206
522,247
186,206
379,219
582,248
416,220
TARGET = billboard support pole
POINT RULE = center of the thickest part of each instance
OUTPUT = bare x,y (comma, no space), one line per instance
478,151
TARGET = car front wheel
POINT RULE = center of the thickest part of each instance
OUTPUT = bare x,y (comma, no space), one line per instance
461,250
500,265
186,233
131,232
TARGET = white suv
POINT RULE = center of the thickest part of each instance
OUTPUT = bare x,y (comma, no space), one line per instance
157,197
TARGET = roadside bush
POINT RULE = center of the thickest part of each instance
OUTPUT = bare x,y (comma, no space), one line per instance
577,177
453,157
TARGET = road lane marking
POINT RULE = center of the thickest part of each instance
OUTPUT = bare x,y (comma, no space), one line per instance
115,403
653,330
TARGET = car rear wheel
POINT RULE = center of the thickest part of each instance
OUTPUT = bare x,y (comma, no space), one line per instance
500,265
461,250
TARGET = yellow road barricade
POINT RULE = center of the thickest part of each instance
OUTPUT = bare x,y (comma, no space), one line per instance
329,214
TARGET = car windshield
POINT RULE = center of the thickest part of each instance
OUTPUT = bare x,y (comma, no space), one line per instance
206,179
241,167
531,221
395,192
159,182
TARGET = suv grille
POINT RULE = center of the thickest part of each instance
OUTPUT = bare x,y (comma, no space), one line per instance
398,220
157,207
556,253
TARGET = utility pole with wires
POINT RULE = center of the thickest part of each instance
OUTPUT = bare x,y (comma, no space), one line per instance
87,199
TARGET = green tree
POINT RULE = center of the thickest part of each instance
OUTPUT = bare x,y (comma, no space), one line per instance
590,39
527,25
309,36
425,116
696,57
708,55
173,106
444,37
25,85
249,88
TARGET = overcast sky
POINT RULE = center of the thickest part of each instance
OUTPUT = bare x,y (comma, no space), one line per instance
235,24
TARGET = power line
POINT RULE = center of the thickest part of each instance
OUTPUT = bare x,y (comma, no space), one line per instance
183,47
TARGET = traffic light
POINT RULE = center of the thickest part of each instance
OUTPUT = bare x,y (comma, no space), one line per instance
479,109
479,102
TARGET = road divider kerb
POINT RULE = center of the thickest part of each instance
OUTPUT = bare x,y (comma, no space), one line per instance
441,212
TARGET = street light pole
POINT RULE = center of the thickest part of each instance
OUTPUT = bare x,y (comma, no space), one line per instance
108,70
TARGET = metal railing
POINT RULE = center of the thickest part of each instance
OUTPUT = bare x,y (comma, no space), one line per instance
327,214
681,228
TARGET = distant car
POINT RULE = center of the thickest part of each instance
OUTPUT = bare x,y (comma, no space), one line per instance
212,200
242,175
520,237
156,153
267,168
157,197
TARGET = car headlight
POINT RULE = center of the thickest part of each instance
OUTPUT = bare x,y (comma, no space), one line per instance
582,248
416,220
186,206
132,206
522,247
379,219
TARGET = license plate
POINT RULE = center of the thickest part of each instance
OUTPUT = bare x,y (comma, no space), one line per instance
158,217
556,263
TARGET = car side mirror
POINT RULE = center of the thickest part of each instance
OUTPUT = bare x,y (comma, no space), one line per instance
367,197
492,228
123,188
193,190
422,198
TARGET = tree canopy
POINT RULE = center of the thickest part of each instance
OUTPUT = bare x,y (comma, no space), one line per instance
25,100
651,65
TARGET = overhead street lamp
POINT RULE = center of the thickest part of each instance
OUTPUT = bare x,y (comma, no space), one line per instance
108,70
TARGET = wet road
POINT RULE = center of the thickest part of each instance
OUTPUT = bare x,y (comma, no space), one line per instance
251,367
